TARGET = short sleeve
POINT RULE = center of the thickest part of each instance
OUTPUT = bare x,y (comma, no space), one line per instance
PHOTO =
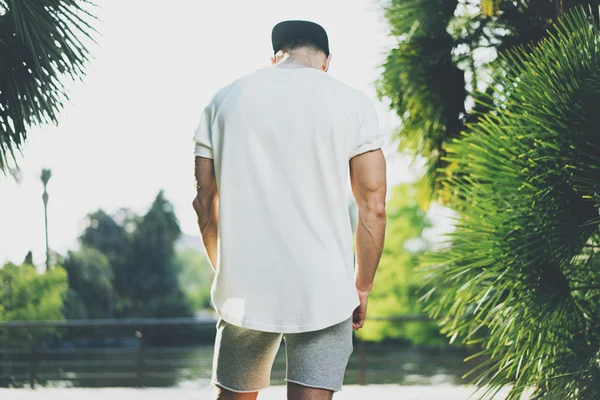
203,134
368,137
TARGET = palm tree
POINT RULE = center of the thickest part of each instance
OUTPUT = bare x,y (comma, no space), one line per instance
521,274
421,79
442,57
46,175
41,43
517,156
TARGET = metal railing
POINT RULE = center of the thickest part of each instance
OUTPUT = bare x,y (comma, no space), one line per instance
32,361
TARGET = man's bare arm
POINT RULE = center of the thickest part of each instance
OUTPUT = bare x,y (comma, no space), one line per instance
368,178
206,205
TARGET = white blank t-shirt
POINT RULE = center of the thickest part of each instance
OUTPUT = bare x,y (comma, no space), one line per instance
281,139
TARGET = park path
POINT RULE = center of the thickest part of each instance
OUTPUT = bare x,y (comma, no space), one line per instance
351,392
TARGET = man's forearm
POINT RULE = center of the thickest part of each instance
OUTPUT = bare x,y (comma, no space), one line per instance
370,234
207,211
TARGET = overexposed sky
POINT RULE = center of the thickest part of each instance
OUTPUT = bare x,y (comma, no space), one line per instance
127,131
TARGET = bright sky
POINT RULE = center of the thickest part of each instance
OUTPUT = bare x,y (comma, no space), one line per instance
127,130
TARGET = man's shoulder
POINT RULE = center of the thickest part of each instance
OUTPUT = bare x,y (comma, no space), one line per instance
222,94
347,93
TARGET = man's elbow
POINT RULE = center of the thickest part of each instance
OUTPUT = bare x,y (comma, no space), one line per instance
203,202
375,208
197,205
378,211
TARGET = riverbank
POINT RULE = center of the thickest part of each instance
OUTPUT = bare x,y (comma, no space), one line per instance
350,392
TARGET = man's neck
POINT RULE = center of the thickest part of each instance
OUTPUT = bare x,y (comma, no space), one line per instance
297,62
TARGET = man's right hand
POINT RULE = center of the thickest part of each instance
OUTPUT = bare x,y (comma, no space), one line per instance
360,313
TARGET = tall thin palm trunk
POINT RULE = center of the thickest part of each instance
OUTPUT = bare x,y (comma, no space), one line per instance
46,174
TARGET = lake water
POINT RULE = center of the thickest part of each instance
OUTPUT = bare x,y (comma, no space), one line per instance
185,366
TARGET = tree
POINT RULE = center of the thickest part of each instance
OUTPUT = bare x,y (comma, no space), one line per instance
112,239
398,282
421,79
28,258
153,277
141,254
40,44
128,264
523,265
91,293
27,295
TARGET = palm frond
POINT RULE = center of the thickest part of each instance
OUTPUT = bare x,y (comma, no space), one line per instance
521,274
41,43
424,86
442,59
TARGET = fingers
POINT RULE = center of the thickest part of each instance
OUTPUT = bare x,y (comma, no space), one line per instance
357,325
358,320
359,315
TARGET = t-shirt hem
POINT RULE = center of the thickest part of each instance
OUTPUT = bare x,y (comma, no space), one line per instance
369,146
287,327
203,151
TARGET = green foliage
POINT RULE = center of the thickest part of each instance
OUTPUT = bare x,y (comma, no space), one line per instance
91,293
141,254
133,270
424,86
523,263
442,58
28,258
155,288
397,284
27,295
113,240
195,278
40,44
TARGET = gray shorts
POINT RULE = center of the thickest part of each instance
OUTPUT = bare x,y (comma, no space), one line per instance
244,357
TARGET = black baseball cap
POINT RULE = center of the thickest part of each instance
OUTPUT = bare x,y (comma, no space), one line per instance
287,30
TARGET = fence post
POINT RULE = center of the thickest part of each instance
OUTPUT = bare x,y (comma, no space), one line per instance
362,357
33,371
140,358
5,356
